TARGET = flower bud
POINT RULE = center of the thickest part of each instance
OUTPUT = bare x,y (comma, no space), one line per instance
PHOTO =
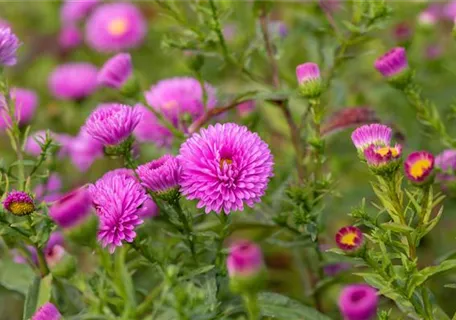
358,302
19,203
310,85
383,160
72,208
393,65
47,312
246,267
116,71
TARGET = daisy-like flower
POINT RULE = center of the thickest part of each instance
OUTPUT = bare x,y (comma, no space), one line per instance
149,129
225,166
383,159
349,238
371,134
176,97
446,162
25,103
70,37
358,302
73,81
115,27
9,44
392,63
111,124
19,203
309,79
162,176
71,209
116,71
419,167
47,312
72,11
117,199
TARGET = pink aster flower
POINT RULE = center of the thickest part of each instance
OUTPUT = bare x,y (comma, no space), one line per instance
47,312
308,75
383,158
176,97
73,81
72,208
25,103
9,44
446,162
70,37
431,15
376,134
419,167
149,129
161,175
73,11
245,259
349,238
49,191
392,63
116,71
19,203
358,302
115,27
117,199
111,124
245,108
84,150
225,166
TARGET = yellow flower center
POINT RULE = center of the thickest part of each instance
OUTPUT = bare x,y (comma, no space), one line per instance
225,161
349,239
21,208
118,26
418,168
383,151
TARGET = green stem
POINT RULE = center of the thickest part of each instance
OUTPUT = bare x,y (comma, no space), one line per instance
251,303
139,248
317,115
42,264
427,303
187,228
149,300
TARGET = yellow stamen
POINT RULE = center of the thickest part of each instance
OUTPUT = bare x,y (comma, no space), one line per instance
225,161
383,151
118,26
419,167
349,239
21,208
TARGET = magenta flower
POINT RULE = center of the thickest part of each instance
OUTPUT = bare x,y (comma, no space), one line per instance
84,150
161,175
419,167
431,15
9,44
25,103
378,157
115,27
72,208
73,81
358,302
392,63
149,129
47,312
245,259
19,258
371,134
246,107
73,11
70,37
349,238
111,124
446,162
225,166
116,71
450,10
19,203
54,250
402,32
178,96
307,72
149,209
117,199
49,191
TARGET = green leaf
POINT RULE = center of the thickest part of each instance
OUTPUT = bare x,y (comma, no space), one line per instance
277,306
16,277
397,227
31,300
199,271
44,294
429,272
126,283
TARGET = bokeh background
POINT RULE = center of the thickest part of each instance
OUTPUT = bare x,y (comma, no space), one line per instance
300,35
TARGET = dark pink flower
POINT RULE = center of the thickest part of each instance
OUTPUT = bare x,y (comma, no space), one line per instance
25,103
47,312
392,63
349,238
70,37
19,203
71,209
161,175
245,259
73,11
116,71
419,167
73,81
358,302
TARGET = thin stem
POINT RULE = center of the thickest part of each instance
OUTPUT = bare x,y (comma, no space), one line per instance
149,300
42,264
187,228
269,50
251,303
427,303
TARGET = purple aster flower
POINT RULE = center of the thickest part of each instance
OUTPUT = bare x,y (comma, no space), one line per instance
25,103
73,81
333,269
358,302
149,209
73,11
149,129
446,162
72,208
50,188
47,312
309,80
349,238
9,44
225,166
392,63
178,96
111,124
70,37
245,259
84,150
246,107
229,31
162,175
419,167
4,24
117,199
116,71
449,10
376,134
379,157
431,15
19,203
115,27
